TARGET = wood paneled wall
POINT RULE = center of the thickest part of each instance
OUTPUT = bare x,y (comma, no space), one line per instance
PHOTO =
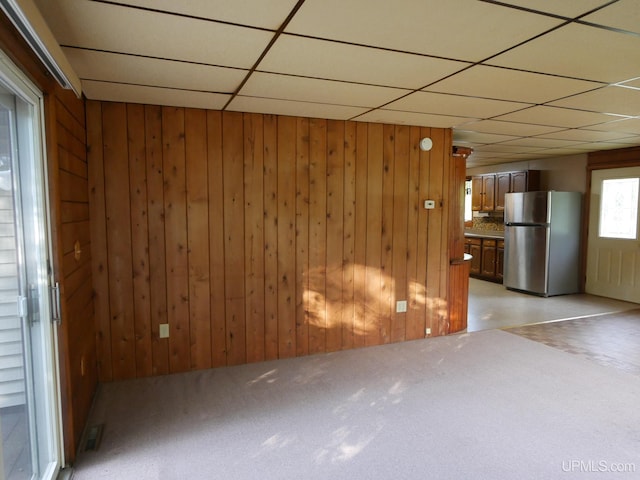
258,237
69,198
65,138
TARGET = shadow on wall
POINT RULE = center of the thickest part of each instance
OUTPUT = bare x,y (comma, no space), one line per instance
368,310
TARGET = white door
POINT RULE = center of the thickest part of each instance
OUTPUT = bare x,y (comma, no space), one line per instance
613,251
30,446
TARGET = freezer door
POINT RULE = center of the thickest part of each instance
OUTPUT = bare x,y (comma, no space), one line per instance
526,258
526,207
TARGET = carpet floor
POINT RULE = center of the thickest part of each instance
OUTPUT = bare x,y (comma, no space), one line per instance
484,405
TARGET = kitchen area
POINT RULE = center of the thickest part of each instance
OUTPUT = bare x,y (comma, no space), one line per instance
485,196
524,238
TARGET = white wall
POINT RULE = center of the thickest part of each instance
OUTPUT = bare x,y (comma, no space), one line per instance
561,173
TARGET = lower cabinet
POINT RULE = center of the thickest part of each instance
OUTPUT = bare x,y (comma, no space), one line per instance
473,246
500,260
488,257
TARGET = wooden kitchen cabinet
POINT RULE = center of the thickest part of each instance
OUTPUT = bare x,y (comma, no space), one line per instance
488,190
503,186
510,182
483,190
500,260
488,257
473,246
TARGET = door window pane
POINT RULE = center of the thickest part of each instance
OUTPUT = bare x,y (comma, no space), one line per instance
619,208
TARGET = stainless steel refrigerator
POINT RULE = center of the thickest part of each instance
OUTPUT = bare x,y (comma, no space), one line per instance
542,242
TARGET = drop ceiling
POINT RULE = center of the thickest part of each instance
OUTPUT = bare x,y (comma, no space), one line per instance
515,80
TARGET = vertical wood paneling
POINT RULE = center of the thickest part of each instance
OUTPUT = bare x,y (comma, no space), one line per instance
400,255
387,283
139,238
446,156
435,245
116,173
254,235
415,307
233,186
360,234
175,212
157,250
349,235
302,236
317,235
271,237
216,239
266,237
425,303
286,237
374,301
197,186
100,261
335,234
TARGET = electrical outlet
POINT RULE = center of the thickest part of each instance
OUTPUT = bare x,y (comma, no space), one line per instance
164,330
401,306
427,331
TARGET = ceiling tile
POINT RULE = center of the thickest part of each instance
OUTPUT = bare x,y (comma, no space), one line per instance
127,30
92,65
514,85
565,9
613,99
538,142
505,148
445,104
113,92
630,140
556,117
410,118
470,136
596,146
578,51
627,125
300,109
257,13
560,152
338,61
287,87
584,135
509,128
623,14
464,29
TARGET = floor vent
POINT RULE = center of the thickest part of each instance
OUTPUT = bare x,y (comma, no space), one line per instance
94,435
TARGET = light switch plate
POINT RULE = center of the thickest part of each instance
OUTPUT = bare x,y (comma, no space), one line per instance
429,204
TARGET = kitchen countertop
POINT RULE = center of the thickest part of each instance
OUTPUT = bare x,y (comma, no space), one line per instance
484,233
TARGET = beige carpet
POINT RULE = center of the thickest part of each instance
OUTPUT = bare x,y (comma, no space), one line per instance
486,405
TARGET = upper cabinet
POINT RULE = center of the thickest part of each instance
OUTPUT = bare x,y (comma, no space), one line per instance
483,191
488,190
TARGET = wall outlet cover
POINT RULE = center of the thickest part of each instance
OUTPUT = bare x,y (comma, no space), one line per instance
164,330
